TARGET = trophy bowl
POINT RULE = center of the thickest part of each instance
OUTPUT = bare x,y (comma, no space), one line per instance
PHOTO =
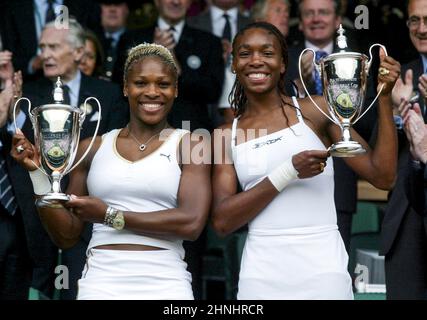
344,87
57,133
344,79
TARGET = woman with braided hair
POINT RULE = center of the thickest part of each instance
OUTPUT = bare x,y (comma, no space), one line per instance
136,186
293,249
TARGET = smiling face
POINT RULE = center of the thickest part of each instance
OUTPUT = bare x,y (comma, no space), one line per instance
258,60
318,21
277,13
151,89
417,11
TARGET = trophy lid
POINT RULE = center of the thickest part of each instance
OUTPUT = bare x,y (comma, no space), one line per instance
58,92
58,97
341,39
344,52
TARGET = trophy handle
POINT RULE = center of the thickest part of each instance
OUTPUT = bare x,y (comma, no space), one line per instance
317,66
368,66
29,112
94,136
32,123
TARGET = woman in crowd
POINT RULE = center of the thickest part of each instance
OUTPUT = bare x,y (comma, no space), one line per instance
293,249
92,62
137,187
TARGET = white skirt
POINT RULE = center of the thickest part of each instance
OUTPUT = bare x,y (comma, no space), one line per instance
134,275
297,264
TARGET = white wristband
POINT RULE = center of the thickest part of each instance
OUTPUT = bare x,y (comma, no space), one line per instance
41,183
283,175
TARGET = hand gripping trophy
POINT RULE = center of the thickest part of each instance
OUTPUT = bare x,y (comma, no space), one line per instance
57,133
344,78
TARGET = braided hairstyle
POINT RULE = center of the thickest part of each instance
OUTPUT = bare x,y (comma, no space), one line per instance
145,50
237,97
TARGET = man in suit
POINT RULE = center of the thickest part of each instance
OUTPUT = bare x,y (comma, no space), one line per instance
222,19
198,55
61,51
404,231
24,22
114,14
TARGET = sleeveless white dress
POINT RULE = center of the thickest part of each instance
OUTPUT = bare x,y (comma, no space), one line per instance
147,185
293,249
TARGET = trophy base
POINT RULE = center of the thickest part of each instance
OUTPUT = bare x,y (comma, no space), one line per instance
345,149
52,200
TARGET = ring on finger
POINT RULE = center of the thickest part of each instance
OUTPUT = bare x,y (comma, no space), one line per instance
322,166
383,71
20,149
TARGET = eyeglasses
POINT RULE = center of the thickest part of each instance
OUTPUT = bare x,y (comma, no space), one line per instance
311,13
415,22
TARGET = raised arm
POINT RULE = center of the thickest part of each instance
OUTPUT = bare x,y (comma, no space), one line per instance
378,165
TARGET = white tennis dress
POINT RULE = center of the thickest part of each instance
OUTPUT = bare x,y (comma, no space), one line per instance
150,184
293,249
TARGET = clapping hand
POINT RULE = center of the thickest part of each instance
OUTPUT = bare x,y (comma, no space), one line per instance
422,86
416,132
403,88
6,67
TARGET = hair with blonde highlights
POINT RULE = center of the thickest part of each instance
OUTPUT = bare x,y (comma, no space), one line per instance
145,50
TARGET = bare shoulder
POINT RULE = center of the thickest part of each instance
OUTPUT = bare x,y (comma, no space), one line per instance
84,146
310,111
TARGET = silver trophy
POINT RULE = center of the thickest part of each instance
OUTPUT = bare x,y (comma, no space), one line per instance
344,78
57,133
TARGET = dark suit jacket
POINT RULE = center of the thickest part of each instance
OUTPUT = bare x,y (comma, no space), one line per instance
416,190
110,56
398,203
198,85
345,178
203,21
41,250
20,26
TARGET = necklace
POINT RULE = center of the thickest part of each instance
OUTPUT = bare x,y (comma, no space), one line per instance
143,146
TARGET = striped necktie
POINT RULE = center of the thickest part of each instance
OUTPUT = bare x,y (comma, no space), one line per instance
226,33
7,198
317,80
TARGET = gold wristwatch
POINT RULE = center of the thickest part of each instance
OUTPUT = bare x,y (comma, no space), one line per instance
119,221
114,218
